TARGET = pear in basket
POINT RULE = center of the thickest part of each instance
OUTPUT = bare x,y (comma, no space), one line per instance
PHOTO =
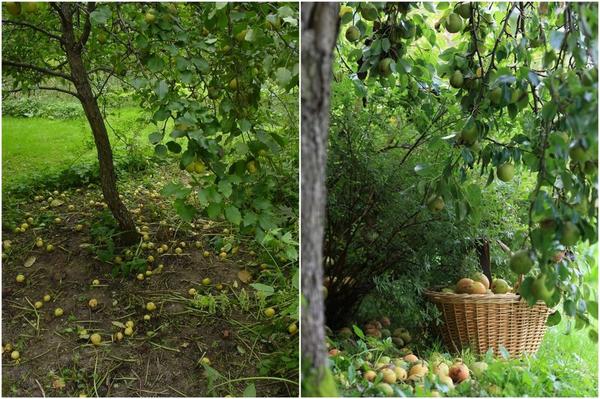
482,278
463,286
500,286
477,287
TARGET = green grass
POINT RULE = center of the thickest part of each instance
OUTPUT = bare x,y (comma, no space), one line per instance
35,146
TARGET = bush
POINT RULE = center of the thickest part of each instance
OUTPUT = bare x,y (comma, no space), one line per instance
41,107
78,175
383,245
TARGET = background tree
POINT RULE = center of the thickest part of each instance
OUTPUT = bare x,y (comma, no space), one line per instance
183,62
319,32
45,48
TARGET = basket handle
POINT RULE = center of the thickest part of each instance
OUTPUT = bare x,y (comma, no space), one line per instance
483,250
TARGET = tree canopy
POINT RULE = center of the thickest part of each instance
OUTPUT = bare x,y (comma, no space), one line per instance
436,102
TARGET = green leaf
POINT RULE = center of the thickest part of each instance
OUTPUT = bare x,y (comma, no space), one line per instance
214,210
203,197
186,212
244,125
358,332
233,215
155,137
266,290
201,64
593,334
549,110
155,64
592,307
250,391
181,63
162,89
176,190
554,319
174,147
570,308
285,11
283,76
225,188
100,15
250,218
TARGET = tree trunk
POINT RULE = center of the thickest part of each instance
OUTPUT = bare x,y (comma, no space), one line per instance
319,35
108,180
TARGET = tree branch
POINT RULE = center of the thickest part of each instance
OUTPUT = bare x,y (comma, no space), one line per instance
502,31
35,28
87,27
46,71
72,93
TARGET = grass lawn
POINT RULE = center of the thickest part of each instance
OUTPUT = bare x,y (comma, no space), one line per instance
34,146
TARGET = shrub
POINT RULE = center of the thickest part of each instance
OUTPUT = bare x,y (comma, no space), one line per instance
41,107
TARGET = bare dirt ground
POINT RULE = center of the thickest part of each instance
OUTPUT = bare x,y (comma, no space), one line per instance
216,342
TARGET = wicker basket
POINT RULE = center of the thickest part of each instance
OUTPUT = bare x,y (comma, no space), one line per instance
483,321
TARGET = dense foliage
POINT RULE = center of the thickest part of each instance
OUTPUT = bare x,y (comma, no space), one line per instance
454,122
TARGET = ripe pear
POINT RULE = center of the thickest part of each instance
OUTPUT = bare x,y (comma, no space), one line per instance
482,278
30,6
476,288
150,17
521,262
456,79
454,23
505,172
385,389
540,290
352,34
241,36
463,9
251,167
577,152
345,10
496,96
368,11
463,285
569,234
469,133
385,66
435,203
500,286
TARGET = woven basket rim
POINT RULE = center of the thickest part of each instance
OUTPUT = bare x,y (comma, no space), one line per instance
508,295
437,296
